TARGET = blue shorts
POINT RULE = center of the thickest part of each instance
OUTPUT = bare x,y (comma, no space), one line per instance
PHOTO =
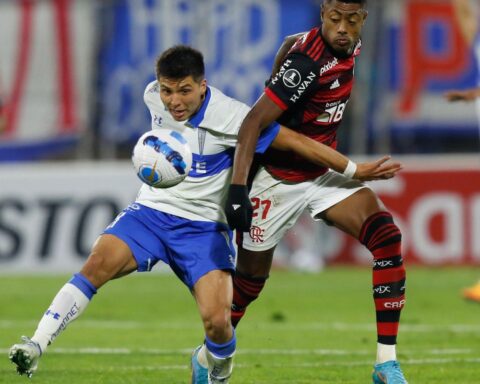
190,248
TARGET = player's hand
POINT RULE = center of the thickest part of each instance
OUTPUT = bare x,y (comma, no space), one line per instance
380,169
467,95
238,208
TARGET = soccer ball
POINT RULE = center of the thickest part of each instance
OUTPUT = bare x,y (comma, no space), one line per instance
162,158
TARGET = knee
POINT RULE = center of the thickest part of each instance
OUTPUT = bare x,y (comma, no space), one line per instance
380,230
218,327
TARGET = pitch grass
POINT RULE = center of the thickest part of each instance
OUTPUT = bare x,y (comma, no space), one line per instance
306,328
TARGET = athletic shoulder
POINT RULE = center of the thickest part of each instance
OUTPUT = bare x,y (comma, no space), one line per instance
224,114
151,96
311,44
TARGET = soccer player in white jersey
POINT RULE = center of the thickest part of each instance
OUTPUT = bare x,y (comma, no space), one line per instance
467,17
168,224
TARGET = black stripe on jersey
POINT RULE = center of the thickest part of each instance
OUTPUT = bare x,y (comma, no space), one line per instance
313,47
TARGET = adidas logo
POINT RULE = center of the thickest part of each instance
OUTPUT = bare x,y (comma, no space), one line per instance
236,206
335,84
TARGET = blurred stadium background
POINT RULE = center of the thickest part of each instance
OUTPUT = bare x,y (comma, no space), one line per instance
72,75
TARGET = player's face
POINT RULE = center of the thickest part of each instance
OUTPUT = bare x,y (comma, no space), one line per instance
182,97
342,25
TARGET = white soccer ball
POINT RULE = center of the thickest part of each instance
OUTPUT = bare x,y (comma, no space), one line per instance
162,158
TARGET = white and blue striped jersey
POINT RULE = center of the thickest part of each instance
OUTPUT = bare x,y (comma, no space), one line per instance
212,135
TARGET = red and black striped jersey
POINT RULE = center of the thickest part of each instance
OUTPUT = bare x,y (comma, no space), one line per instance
312,87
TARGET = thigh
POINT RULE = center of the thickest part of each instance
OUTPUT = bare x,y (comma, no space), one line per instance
350,213
277,207
254,264
329,190
110,258
141,229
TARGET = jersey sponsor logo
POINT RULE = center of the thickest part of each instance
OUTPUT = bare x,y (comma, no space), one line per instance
335,84
327,67
333,113
282,70
292,78
303,87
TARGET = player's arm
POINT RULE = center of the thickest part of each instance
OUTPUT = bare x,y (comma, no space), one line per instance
470,94
321,154
296,77
238,207
466,17
283,50
263,113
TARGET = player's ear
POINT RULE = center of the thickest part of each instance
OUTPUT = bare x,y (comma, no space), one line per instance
203,86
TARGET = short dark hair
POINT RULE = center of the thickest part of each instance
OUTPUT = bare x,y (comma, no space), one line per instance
180,61
361,2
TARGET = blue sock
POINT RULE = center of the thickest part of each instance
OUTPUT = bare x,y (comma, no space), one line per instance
222,350
82,283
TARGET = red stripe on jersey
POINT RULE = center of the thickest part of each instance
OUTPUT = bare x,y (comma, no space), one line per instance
276,99
315,46
319,53
303,42
387,276
335,94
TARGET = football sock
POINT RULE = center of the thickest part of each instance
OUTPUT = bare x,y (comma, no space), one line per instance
383,238
245,290
385,353
68,304
220,358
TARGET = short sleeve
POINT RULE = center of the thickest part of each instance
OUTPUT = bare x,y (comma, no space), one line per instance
297,76
266,138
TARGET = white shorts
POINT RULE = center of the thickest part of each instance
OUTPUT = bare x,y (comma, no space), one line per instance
277,205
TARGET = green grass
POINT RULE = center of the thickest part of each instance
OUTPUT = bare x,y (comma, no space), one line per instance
306,328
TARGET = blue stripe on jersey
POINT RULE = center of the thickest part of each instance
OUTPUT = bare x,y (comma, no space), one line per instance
209,165
266,138
197,118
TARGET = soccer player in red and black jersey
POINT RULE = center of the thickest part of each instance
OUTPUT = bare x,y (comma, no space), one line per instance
309,94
